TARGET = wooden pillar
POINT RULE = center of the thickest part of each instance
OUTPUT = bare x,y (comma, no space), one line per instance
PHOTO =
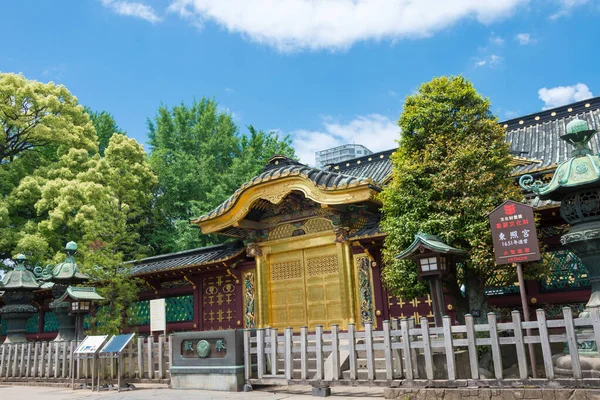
198,311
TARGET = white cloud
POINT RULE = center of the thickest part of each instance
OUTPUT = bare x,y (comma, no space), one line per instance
525,38
566,7
374,131
338,24
132,9
561,95
497,40
491,61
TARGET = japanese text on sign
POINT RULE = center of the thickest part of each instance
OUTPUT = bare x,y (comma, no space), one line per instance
514,234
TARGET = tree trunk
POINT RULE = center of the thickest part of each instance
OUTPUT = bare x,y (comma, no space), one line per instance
475,287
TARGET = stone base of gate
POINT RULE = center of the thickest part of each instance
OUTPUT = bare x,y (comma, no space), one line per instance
489,393
230,380
211,360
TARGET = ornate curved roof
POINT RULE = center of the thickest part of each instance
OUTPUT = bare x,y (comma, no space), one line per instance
280,168
19,278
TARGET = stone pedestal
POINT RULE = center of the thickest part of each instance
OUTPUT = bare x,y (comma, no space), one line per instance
212,360
66,322
563,367
15,317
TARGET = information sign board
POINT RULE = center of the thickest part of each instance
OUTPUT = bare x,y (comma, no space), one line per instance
91,344
158,317
513,233
117,343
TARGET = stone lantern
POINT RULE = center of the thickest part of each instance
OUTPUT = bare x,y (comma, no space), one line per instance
18,286
64,275
576,184
434,260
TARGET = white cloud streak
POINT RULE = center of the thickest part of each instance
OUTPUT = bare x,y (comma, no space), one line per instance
525,39
293,25
566,7
133,9
374,131
491,61
561,95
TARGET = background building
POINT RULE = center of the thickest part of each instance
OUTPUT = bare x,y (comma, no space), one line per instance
340,153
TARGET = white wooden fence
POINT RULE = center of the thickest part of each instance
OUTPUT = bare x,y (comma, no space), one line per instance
402,353
143,359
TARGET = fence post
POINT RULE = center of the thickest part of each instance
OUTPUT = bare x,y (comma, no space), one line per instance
397,356
260,352
22,363
15,360
28,363
370,355
387,348
72,347
495,345
247,355
140,356
520,344
289,361
406,349
472,346
413,351
49,362
161,356
427,348
319,351
545,342
2,360
303,353
42,360
274,337
8,360
150,357
335,352
448,348
352,350
572,342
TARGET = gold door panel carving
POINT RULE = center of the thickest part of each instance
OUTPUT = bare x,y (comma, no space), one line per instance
323,297
305,288
287,290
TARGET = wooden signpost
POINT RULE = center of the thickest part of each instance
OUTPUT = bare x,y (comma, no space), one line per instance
515,241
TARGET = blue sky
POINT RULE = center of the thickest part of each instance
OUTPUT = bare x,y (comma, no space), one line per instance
328,71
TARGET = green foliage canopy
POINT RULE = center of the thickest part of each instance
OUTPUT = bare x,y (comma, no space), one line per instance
201,158
452,167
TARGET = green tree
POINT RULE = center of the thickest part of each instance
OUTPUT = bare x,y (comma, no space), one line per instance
451,169
200,159
105,126
34,115
99,201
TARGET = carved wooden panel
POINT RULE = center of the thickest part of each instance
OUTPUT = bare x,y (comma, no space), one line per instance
219,302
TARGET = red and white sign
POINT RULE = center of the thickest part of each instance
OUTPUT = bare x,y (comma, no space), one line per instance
513,233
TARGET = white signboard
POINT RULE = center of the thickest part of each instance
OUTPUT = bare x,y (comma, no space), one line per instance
91,344
158,315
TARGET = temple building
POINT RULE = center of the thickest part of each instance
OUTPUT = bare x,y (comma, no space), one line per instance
305,246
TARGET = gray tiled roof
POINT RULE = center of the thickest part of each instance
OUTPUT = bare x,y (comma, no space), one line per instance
376,166
537,136
188,258
280,167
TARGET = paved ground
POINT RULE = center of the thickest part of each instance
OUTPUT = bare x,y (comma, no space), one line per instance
163,393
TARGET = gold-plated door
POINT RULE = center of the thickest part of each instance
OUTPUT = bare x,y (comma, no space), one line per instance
323,297
286,276
305,288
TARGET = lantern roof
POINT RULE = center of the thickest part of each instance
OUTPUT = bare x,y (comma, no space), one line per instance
74,293
20,278
428,243
68,270
581,171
